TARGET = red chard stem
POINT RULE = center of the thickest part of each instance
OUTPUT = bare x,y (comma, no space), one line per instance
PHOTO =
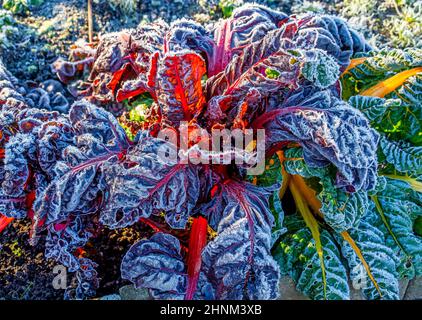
197,242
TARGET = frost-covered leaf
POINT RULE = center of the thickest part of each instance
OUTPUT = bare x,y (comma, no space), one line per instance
123,64
188,35
402,155
329,131
400,206
238,261
16,169
394,117
267,67
328,33
157,264
249,23
179,81
297,255
295,164
237,264
411,90
78,181
381,65
382,262
321,69
61,242
244,83
146,183
26,143
341,210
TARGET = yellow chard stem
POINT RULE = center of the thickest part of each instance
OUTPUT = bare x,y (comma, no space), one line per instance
387,86
346,236
384,220
354,62
309,195
254,180
285,175
312,224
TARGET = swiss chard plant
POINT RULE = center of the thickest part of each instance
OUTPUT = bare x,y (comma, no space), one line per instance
337,203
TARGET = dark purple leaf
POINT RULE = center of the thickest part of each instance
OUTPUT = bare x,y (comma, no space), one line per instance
157,264
238,262
147,183
330,131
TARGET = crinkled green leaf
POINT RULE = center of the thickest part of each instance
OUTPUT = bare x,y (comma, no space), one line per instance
321,69
381,65
399,206
402,155
341,210
370,239
411,91
295,164
372,107
271,176
393,117
298,258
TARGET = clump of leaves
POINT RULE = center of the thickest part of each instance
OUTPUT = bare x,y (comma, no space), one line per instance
7,28
217,233
376,232
393,23
309,6
227,6
21,6
405,28
137,116
126,6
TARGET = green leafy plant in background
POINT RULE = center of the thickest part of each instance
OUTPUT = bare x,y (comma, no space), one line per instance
21,6
137,112
227,6
405,28
220,8
7,28
394,23
309,6
125,6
